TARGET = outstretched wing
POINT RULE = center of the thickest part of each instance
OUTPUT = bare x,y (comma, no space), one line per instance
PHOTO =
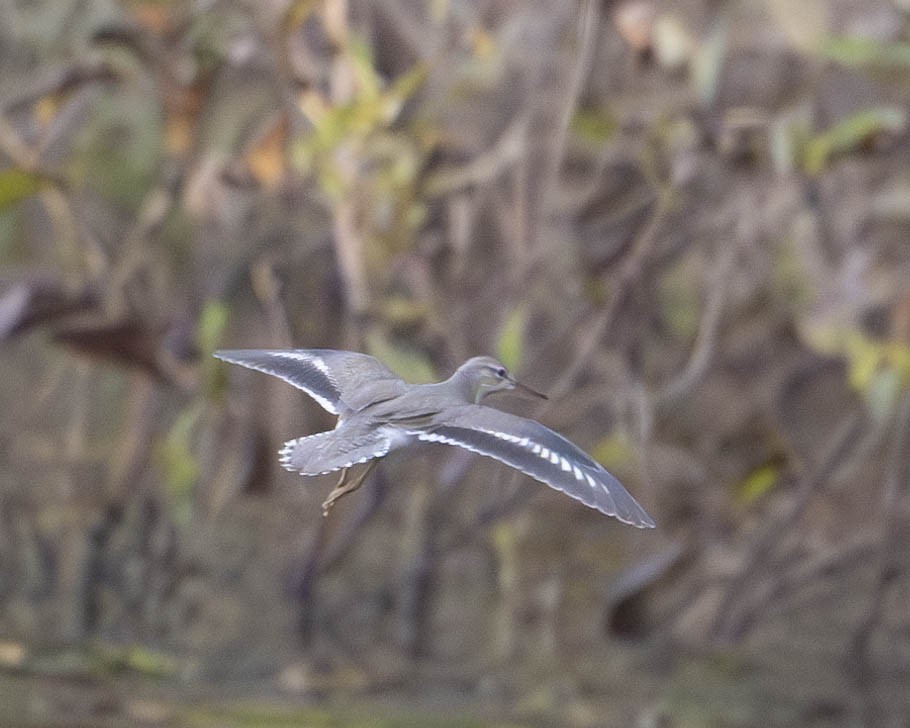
337,380
541,453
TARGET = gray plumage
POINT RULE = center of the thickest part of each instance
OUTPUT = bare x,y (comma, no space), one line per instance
378,412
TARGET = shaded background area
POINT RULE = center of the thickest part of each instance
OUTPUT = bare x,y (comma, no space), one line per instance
688,222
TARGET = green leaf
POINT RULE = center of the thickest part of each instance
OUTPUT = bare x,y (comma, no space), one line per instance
593,126
361,61
135,659
212,322
405,86
864,356
400,311
179,462
867,52
17,185
409,364
510,346
850,134
209,333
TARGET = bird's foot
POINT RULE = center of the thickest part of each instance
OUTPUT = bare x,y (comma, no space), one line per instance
342,488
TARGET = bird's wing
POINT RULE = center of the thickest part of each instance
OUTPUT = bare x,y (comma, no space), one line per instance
541,453
337,380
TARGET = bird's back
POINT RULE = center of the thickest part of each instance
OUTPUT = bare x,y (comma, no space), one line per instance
419,406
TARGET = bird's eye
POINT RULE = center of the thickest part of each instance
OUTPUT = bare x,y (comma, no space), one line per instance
501,372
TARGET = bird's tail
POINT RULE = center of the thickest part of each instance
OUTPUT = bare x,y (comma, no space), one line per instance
332,450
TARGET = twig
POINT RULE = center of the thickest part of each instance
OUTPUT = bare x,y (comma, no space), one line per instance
891,514
588,23
807,571
55,80
703,350
728,622
629,274
484,168
12,146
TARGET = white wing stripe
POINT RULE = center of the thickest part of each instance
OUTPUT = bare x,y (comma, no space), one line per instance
594,491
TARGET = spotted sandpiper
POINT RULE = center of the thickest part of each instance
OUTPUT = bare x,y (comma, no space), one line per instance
378,412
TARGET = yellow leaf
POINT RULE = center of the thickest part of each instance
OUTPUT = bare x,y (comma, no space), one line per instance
46,108
758,483
864,357
615,451
16,185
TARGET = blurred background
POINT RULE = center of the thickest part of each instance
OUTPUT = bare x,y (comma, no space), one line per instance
687,221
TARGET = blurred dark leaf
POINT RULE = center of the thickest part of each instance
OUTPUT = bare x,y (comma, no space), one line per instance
631,603
160,349
33,299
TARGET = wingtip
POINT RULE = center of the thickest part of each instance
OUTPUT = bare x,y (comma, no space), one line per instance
639,520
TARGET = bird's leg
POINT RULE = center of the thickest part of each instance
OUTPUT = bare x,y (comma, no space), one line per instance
342,488
336,493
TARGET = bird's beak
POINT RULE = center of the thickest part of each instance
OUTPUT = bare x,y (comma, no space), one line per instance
527,390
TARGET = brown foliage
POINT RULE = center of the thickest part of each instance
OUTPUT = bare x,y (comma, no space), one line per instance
687,222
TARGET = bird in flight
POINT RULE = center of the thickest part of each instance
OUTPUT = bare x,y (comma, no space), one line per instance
379,412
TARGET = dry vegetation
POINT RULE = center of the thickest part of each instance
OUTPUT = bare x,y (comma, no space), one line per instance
687,221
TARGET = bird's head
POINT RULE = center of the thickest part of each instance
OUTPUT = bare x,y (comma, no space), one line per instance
486,375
